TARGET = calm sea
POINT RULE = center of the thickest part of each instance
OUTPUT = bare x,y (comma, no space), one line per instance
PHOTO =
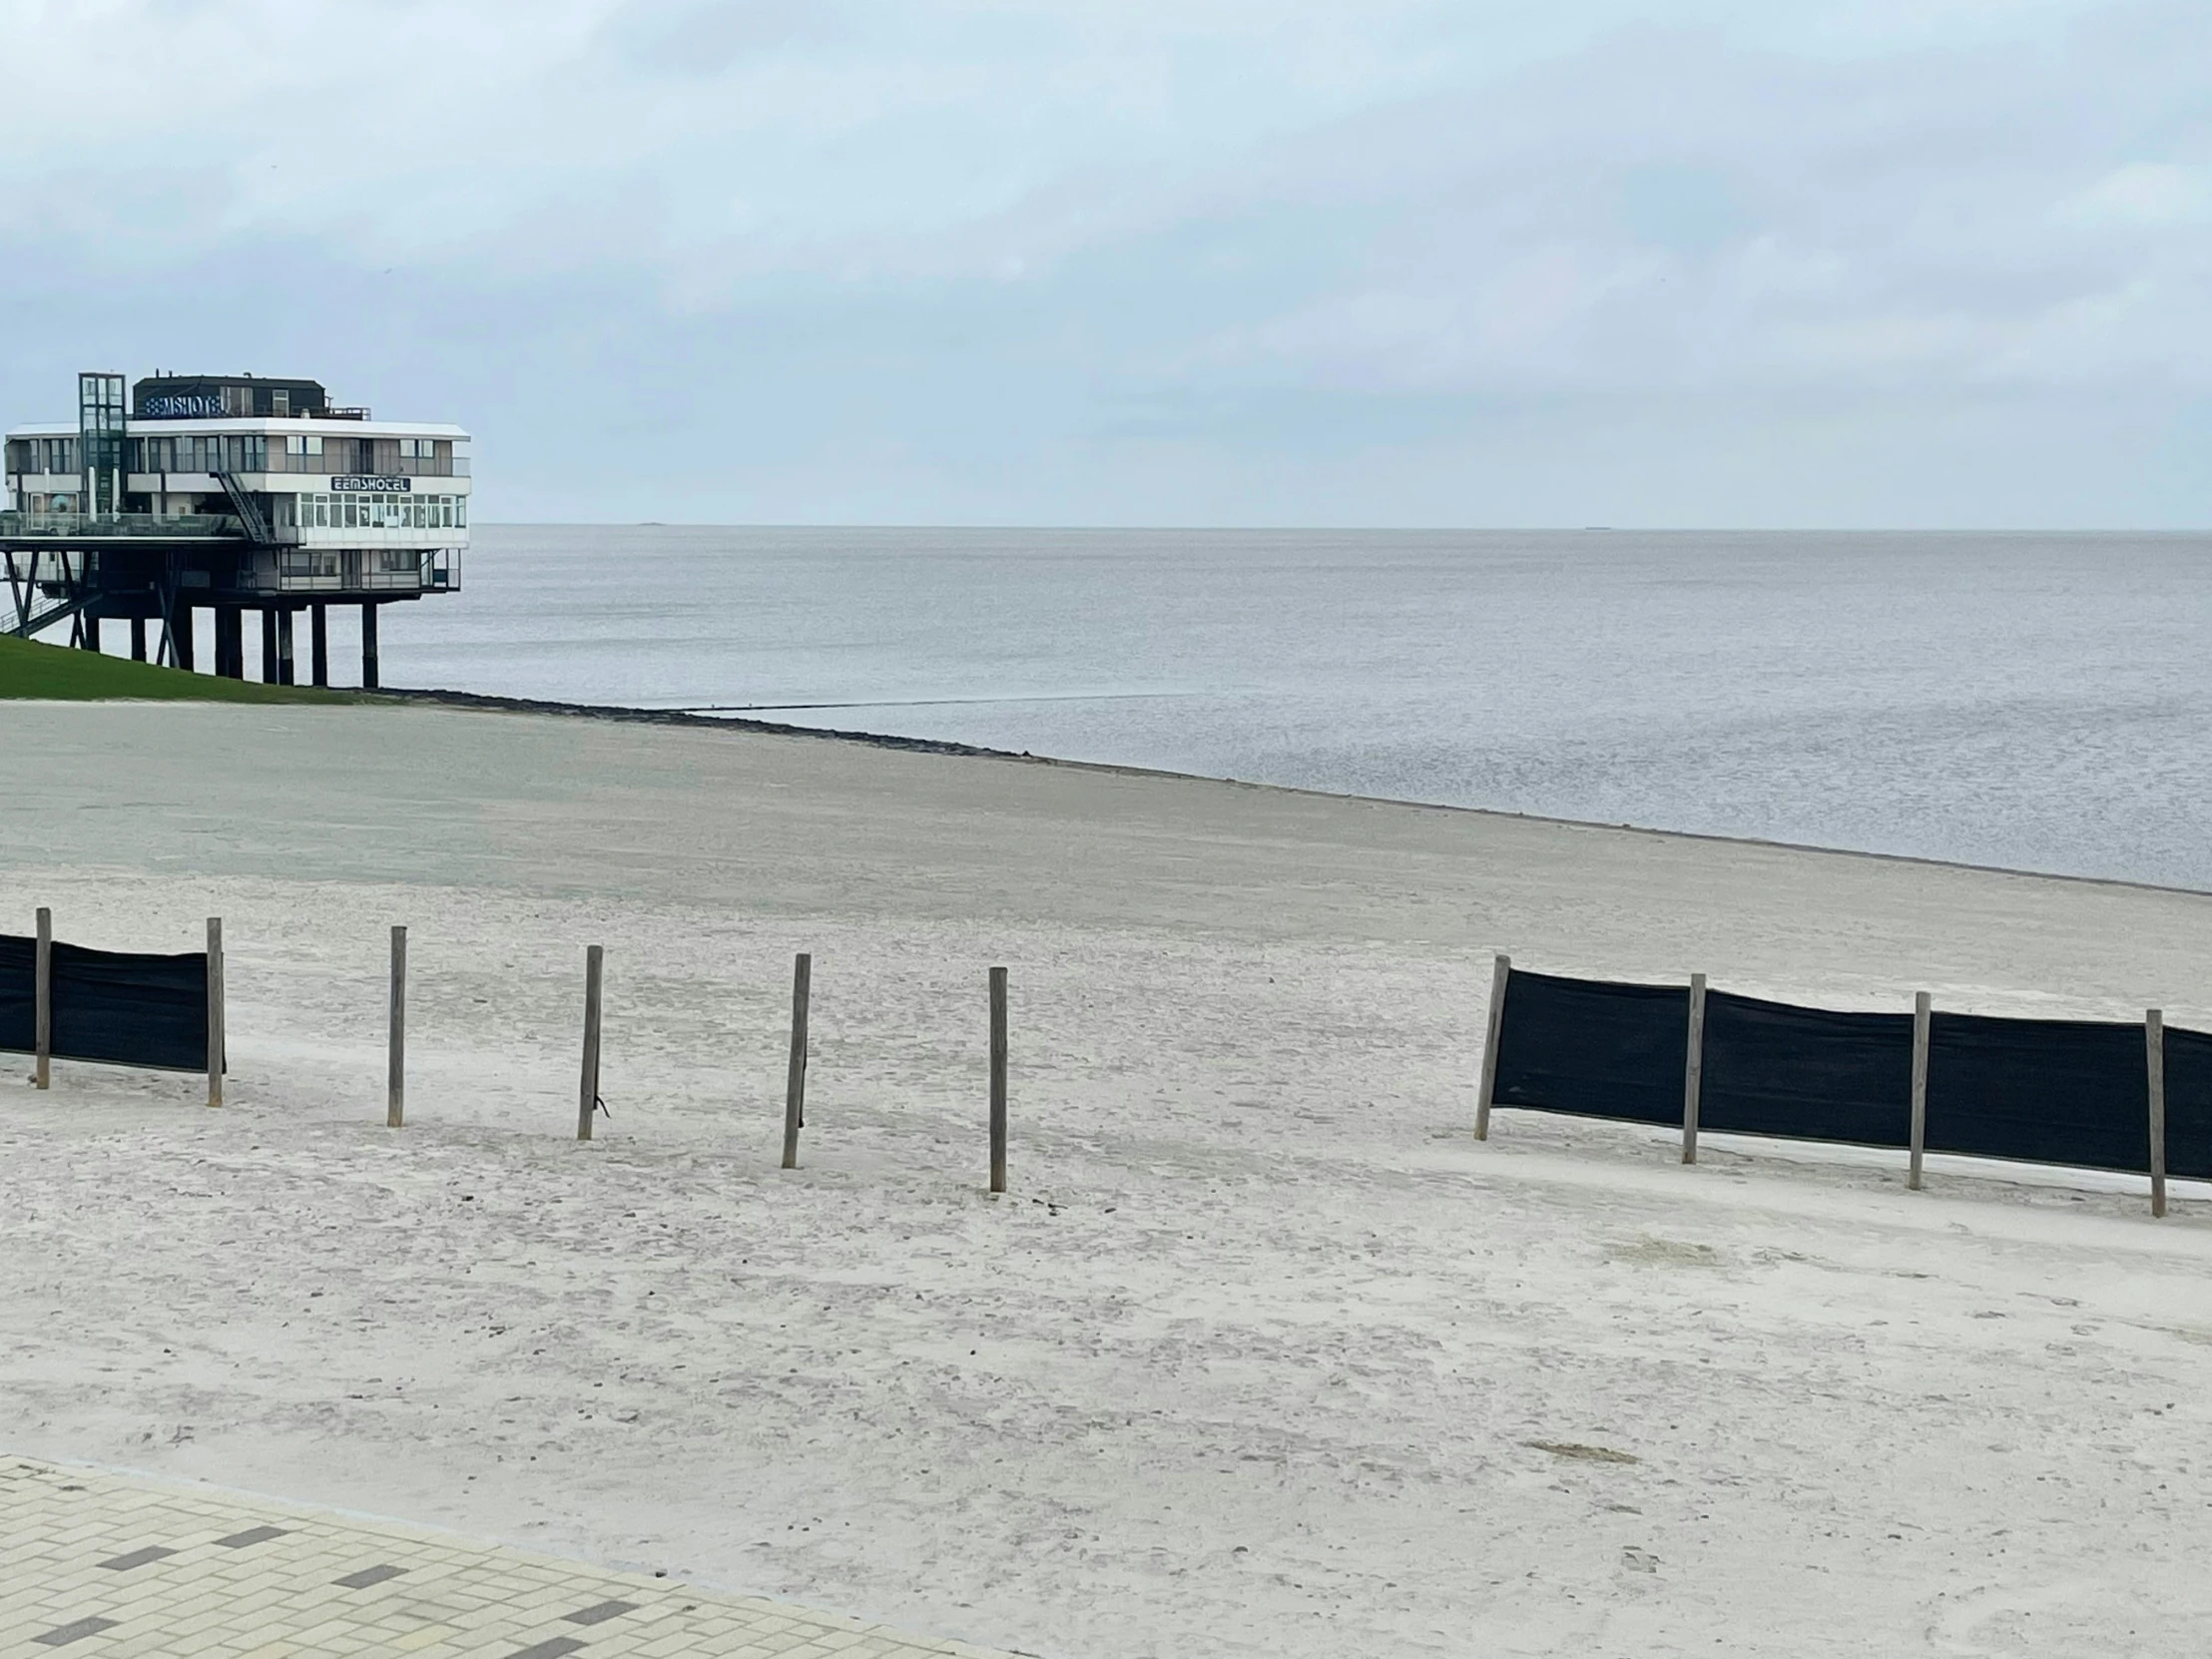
2042,702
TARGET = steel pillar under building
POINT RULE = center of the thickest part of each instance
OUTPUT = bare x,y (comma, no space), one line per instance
229,642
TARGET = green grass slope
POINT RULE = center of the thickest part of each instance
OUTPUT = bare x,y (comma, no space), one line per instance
29,668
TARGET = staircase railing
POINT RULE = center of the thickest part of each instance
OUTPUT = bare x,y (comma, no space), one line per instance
247,508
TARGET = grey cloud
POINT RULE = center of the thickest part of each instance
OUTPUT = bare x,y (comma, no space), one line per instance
706,37
1667,275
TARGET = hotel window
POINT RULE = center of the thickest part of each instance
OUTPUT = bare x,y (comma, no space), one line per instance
303,443
279,402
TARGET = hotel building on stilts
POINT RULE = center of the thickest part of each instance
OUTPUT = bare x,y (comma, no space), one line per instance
227,494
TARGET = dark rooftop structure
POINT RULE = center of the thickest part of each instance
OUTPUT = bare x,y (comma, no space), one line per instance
216,396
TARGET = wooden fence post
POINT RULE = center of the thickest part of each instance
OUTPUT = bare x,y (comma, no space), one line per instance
794,1079
395,1067
1922,1019
1501,971
2154,1044
998,1079
217,1057
1693,1071
42,994
587,1094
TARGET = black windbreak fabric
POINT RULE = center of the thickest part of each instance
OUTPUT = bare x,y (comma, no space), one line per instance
2043,1091
1807,1073
1593,1049
130,1011
2036,1091
18,993
2188,1103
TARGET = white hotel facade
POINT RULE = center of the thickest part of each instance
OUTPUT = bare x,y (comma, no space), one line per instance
260,493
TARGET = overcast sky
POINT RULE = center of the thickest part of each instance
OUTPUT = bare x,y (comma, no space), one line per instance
1221,262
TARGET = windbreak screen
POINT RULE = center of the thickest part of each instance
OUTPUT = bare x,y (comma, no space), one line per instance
2188,1103
131,1010
18,993
1593,1049
1807,1073
2043,1091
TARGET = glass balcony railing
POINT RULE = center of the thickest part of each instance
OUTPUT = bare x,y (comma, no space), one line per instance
110,526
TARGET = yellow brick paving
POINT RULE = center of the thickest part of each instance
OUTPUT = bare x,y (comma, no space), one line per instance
96,1565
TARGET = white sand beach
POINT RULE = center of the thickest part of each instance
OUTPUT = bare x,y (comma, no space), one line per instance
1263,1354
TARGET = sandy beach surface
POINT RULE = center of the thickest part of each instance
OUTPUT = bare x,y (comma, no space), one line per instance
1262,1354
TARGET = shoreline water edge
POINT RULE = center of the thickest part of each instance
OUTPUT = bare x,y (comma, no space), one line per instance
493,704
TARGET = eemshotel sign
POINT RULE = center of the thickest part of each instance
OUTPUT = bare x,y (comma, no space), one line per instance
370,485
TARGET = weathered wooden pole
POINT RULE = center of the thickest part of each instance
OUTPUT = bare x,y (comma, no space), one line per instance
795,1078
1693,1071
2154,1045
215,1055
587,1094
1501,971
42,999
1922,1019
998,1079
395,1068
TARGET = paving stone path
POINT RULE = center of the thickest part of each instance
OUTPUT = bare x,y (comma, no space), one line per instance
97,1565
